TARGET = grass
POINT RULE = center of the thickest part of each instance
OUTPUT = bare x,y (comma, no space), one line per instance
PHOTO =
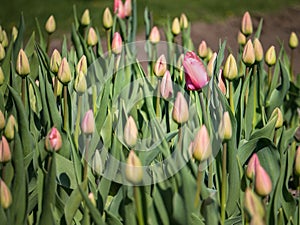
205,10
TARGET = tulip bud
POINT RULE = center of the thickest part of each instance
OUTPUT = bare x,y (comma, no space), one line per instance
22,64
270,57
55,61
221,83
293,42
127,8
134,169
256,220
180,111
277,112
4,39
154,36
202,146
9,130
211,65
297,162
263,183
258,50
1,76
119,9
203,50
248,53
64,72
176,26
53,141
50,25
88,123
246,26
2,52
241,38
130,132
97,164
5,154
184,23
2,120
160,66
5,195
209,54
82,65
250,172
225,128
85,18
92,198
166,88
230,70
14,33
253,204
117,43
92,38
107,19
80,83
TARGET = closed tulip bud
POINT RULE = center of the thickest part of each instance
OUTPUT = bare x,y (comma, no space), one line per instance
5,154
202,145
258,50
88,123
154,36
293,42
5,195
130,132
246,26
1,76
59,88
119,9
225,128
248,53
160,66
277,112
241,38
221,83
50,25
10,127
14,33
22,64
184,23
92,199
134,169
253,204
5,39
2,120
92,38
195,73
297,162
180,111
107,19
82,65
97,164
166,88
211,64
116,45
270,57
203,50
257,220
55,61
80,83
2,52
53,140
64,72
176,26
263,183
85,18
230,70
127,8
209,54
250,171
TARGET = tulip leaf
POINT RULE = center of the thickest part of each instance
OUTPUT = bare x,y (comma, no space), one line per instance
76,41
19,41
160,206
41,36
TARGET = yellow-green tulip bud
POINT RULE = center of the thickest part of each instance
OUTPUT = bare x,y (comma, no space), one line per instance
4,39
253,204
59,88
257,220
221,83
82,65
92,38
22,64
55,61
14,33
241,38
248,53
64,72
107,19
85,18
97,164
5,195
176,26
297,162
184,23
5,154
50,25
2,52
258,50
270,57
230,70
293,42
2,78
134,169
202,145
130,132
180,111
277,112
154,36
92,198
80,85
246,26
2,120
203,50
211,64
225,128
10,127
160,66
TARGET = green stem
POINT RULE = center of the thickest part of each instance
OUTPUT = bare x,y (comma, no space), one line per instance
94,96
86,156
138,205
24,90
55,87
76,132
66,125
204,110
224,184
255,97
158,100
167,116
108,40
210,173
269,76
292,75
231,99
198,191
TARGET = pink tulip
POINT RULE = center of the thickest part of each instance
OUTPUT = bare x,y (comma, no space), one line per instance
166,88
116,43
263,183
250,172
127,8
88,122
53,140
195,73
119,9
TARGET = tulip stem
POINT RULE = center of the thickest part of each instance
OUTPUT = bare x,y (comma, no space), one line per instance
23,90
76,132
198,191
167,116
86,156
231,100
55,87
224,184
138,205
269,76
108,40
203,110
210,172
158,100
66,108
255,97
291,66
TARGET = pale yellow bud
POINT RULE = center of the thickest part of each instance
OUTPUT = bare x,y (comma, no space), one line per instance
50,25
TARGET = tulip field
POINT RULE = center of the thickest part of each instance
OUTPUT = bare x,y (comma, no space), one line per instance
105,129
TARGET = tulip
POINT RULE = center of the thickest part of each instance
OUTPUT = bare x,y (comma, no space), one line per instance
97,164
166,88
22,64
1,76
92,38
117,43
82,65
176,26
85,18
5,154
107,19
14,33
10,127
248,53
225,128
184,23
180,111
277,112
202,146
88,123
246,26
119,9
253,204
270,57
230,70
256,220
55,61
160,66
297,162
64,72
203,50
5,195
221,83
50,25
293,41
258,50
2,52
250,172
4,39
154,36
53,140
195,73
80,83
211,64
127,8
2,120
92,199
263,183
134,169
241,38
130,132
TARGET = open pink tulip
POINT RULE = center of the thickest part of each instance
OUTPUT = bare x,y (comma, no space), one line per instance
195,73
